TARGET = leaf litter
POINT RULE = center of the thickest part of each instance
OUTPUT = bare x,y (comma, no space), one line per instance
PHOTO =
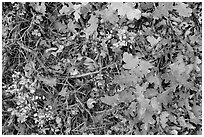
102,68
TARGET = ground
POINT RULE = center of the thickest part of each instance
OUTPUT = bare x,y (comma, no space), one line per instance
101,68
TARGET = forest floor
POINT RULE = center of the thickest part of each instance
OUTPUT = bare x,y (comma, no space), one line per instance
102,68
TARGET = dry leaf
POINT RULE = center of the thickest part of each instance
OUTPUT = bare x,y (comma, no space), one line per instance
48,81
90,103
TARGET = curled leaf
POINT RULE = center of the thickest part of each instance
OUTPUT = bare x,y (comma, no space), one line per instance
90,103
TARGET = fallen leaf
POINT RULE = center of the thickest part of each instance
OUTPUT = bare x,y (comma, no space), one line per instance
110,100
164,118
63,92
29,69
48,80
90,63
148,119
152,40
39,7
183,123
90,103
183,9
163,9
77,14
61,27
131,62
93,21
154,79
109,15
59,50
179,65
156,105
126,96
65,9
73,71
126,9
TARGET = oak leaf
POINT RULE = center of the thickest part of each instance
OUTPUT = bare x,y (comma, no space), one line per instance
183,9
163,9
93,21
126,9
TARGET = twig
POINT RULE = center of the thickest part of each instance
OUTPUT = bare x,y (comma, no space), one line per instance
13,30
32,52
17,16
75,129
89,73
25,48
159,76
30,26
84,75
78,100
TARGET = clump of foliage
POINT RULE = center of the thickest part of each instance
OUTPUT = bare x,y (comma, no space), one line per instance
74,68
